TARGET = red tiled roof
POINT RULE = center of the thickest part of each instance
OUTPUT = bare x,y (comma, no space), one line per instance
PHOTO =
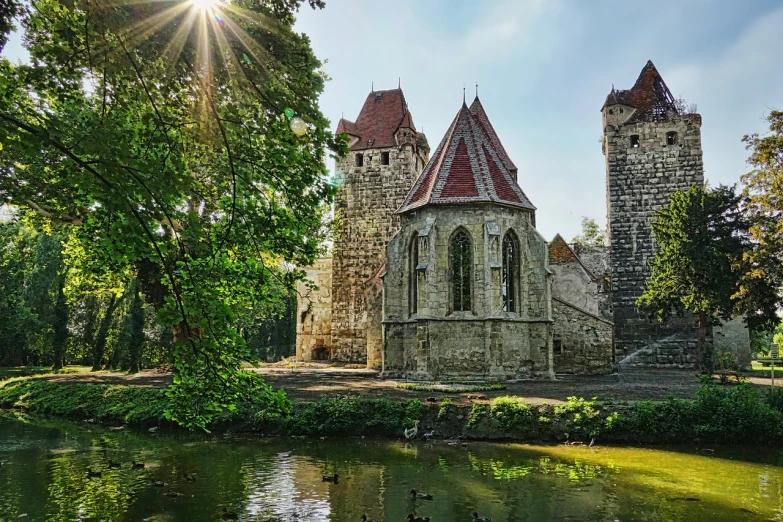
560,252
466,168
459,181
649,95
477,110
383,113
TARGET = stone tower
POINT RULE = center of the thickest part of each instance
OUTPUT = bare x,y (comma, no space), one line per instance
386,155
653,149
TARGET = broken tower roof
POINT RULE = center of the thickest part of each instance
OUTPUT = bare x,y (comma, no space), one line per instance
467,167
650,96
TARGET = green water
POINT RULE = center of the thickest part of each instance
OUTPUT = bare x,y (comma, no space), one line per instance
43,477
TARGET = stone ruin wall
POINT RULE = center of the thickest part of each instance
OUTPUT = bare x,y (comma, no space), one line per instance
314,313
582,342
640,181
365,207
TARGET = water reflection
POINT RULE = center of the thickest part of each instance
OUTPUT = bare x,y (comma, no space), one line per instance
43,476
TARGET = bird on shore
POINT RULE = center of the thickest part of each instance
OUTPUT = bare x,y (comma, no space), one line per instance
411,432
411,518
365,519
477,518
93,474
227,514
114,464
334,478
429,434
422,496
137,465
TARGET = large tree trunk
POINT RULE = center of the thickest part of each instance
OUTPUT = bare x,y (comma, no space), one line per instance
60,327
137,331
99,346
701,345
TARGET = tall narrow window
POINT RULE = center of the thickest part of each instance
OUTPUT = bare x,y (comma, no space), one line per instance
671,138
413,286
510,274
360,160
384,158
461,270
635,141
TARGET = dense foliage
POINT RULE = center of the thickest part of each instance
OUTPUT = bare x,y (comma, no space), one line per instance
160,138
702,262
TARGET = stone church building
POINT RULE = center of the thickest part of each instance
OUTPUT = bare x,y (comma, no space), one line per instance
438,272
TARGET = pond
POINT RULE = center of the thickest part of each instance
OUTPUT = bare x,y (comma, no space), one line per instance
43,476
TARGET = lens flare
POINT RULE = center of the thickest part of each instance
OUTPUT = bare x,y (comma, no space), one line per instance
204,4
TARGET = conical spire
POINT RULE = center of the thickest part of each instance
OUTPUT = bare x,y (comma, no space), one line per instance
466,168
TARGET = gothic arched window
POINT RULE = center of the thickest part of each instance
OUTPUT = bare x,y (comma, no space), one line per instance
413,276
461,253
510,276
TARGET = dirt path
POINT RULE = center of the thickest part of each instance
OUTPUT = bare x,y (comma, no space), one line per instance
310,384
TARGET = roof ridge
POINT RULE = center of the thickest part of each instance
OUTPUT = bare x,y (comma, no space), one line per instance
440,183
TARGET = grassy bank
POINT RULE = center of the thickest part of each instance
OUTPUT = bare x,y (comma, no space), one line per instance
736,414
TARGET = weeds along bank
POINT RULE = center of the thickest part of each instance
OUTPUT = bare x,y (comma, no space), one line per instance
718,414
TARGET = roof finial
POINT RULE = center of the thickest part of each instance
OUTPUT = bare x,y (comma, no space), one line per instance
372,86
399,83
476,89
463,94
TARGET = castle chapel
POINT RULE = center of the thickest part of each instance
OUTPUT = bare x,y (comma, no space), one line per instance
437,269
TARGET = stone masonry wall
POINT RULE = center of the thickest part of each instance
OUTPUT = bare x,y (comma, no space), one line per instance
640,180
364,208
582,341
436,342
314,313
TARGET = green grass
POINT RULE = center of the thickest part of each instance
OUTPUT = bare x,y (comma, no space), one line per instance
124,404
26,371
450,387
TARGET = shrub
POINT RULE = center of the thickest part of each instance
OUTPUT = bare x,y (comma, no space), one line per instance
348,415
511,413
583,417
725,365
477,412
444,409
667,420
735,414
774,398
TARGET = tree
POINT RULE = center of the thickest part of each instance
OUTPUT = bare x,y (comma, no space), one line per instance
592,234
183,160
703,240
763,190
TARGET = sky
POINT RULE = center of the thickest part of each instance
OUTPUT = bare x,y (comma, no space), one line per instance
544,68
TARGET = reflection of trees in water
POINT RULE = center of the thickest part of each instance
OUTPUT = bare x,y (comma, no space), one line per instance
286,487
43,474
502,470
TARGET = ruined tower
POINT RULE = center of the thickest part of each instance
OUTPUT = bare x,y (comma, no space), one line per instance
653,148
386,155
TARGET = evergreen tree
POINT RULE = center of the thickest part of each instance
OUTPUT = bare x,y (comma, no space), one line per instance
703,240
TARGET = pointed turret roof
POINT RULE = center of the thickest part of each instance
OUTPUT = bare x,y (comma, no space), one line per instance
477,110
649,95
467,167
383,113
